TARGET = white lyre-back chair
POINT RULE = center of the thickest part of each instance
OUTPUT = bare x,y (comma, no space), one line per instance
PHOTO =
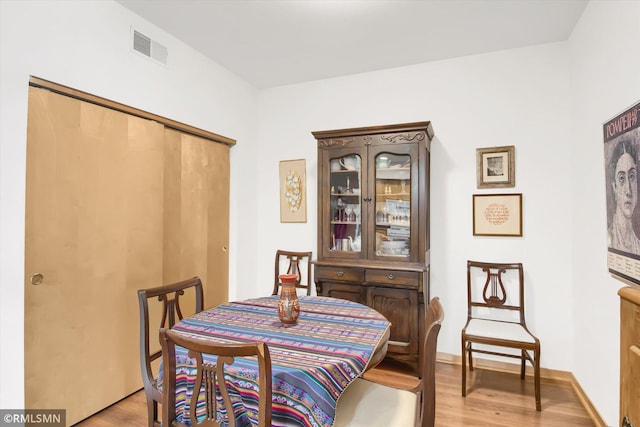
495,319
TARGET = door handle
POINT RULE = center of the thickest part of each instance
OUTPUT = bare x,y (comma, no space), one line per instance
37,279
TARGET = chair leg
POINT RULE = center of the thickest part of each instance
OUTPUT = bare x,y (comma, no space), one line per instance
536,376
470,350
523,362
152,411
464,368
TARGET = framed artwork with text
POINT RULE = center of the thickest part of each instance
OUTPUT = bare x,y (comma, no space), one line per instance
497,215
621,148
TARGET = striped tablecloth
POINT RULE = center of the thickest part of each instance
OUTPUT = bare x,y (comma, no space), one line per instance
312,361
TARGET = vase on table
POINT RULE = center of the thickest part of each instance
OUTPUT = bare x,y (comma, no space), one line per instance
288,305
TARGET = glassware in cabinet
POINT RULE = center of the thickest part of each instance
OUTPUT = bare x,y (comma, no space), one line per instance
346,203
393,205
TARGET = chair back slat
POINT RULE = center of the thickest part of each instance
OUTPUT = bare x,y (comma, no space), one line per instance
494,293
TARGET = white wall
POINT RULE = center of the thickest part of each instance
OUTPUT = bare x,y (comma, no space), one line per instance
85,45
517,97
605,76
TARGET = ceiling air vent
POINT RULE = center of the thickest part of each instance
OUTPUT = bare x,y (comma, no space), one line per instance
149,48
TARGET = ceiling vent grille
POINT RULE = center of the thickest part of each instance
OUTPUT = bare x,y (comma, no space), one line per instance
149,48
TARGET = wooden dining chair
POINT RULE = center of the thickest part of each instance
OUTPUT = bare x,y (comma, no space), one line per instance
170,311
370,404
210,380
288,262
495,317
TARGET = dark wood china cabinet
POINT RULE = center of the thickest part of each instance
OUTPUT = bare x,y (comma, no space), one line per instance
373,225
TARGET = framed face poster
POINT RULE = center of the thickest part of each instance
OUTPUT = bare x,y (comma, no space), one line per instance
621,147
293,197
495,167
497,215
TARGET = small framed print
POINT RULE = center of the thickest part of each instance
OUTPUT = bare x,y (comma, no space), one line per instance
495,167
293,197
497,215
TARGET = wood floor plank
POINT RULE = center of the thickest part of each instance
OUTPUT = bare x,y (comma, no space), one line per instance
496,399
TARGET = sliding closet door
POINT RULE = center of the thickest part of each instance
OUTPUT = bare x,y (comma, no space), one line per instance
196,220
114,203
196,192
93,236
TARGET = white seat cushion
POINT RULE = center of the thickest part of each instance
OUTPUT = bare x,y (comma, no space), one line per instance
498,329
367,404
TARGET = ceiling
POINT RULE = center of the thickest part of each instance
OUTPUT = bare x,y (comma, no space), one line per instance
278,42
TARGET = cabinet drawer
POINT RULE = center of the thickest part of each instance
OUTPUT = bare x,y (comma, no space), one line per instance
394,277
346,274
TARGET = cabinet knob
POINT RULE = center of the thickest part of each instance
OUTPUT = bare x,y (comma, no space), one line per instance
339,273
390,276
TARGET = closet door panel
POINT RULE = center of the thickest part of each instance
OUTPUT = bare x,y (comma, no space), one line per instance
197,213
217,173
94,232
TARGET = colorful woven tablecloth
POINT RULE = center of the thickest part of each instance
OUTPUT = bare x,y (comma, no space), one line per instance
312,361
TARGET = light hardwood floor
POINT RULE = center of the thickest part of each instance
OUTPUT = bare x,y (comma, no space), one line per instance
493,399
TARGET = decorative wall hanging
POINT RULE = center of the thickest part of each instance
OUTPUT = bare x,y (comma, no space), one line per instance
293,197
497,214
495,167
621,148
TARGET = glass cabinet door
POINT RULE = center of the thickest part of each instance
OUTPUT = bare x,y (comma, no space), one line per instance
345,230
393,205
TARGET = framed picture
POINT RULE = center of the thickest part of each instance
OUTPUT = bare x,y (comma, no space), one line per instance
621,147
497,214
293,189
495,167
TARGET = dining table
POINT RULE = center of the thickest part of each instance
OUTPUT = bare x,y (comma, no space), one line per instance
313,361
